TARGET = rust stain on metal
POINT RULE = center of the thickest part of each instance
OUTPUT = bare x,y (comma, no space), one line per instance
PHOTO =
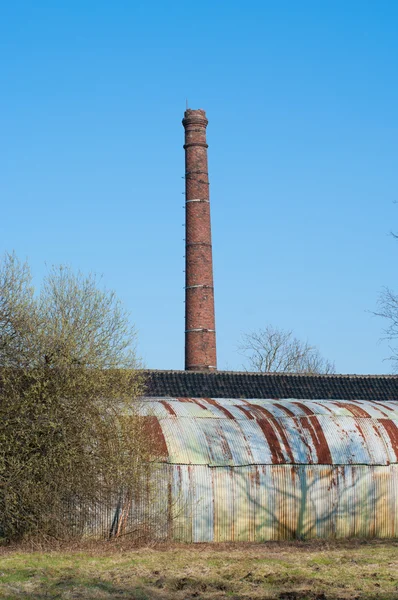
226,412
392,432
317,434
224,445
259,411
210,447
156,436
267,427
382,412
306,444
169,408
289,413
196,401
324,405
354,409
377,432
184,400
384,406
246,412
257,476
360,430
170,519
304,408
272,439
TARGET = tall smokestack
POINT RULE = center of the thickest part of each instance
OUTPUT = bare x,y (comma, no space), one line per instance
200,330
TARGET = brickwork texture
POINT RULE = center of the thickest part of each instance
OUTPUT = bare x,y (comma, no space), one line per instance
200,334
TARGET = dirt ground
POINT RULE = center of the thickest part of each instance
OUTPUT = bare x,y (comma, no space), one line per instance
356,569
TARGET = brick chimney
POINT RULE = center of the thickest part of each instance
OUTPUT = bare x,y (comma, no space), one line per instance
200,331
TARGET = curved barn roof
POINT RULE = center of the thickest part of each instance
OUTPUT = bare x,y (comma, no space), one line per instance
233,432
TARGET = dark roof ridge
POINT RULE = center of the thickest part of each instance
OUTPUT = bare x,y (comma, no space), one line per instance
276,374
235,384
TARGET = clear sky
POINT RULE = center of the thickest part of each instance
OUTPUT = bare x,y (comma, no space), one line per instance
301,98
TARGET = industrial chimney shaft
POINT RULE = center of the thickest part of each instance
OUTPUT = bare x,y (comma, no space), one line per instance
200,333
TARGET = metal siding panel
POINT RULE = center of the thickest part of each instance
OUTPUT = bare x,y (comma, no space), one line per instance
223,505
298,408
217,445
300,442
203,503
238,442
279,502
346,444
375,410
186,440
242,503
303,509
325,497
345,526
228,402
191,410
160,508
391,445
264,516
318,407
258,444
153,407
366,506
182,504
237,413
377,441
383,517
215,407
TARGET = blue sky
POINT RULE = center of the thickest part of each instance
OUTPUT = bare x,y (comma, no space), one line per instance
302,102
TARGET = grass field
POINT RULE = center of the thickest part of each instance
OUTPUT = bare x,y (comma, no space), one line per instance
284,571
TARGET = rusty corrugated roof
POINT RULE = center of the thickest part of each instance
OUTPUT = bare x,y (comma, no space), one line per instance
233,432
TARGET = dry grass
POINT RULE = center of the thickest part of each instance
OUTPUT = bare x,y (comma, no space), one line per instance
312,570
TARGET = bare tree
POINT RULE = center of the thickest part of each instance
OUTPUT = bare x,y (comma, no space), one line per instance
388,310
277,350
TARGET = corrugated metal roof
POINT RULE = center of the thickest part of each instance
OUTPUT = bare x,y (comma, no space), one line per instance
225,407
231,432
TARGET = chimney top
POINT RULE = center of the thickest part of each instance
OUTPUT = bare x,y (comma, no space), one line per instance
195,116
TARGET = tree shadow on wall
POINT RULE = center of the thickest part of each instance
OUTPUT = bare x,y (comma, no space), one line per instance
257,503
288,502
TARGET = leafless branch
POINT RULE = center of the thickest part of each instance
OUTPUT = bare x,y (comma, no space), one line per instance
278,350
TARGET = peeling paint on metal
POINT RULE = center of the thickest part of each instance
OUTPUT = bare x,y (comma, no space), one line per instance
256,470
248,432
313,426
356,410
392,432
168,408
155,434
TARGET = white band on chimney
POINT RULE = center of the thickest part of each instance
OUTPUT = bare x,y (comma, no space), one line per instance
190,287
207,366
198,200
199,329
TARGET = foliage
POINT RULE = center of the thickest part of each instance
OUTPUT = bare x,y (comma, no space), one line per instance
277,350
68,379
